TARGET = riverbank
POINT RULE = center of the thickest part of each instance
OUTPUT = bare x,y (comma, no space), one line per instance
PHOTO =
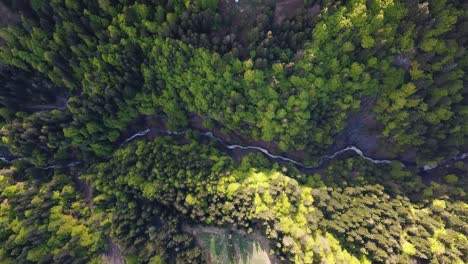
155,126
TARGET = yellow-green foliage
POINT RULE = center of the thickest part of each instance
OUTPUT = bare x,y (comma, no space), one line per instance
271,194
46,221
354,224
439,204
408,248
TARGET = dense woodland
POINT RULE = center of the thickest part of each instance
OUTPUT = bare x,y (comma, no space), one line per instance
78,77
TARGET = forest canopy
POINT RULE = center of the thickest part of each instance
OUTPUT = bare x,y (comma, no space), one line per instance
330,131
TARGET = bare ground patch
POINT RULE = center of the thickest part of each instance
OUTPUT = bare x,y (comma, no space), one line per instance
113,255
8,17
231,245
363,131
287,9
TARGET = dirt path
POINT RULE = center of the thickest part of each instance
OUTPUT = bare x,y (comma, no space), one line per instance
61,103
113,255
87,190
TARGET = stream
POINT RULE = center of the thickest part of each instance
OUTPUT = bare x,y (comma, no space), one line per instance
324,159
71,164
279,157
9,161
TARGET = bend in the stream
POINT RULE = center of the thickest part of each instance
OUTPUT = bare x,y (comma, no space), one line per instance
427,168
266,152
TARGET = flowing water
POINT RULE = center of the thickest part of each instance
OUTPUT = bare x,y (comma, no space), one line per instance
267,153
279,157
295,162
